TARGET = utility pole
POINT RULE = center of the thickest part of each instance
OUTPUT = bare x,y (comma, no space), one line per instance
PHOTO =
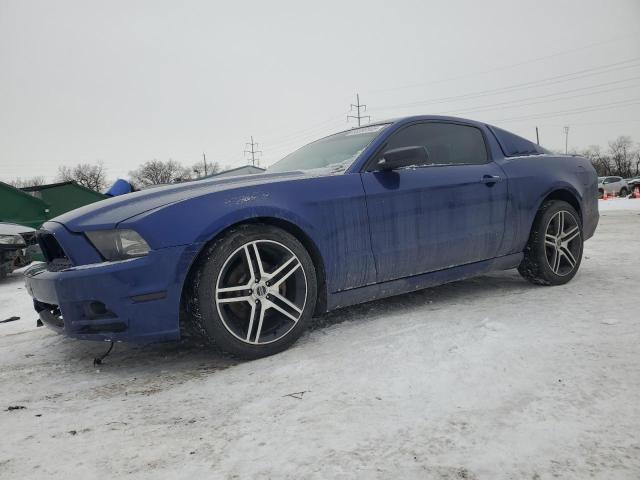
566,139
204,160
358,106
253,151
537,136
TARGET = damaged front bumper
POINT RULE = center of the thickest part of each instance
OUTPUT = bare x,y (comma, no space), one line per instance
136,300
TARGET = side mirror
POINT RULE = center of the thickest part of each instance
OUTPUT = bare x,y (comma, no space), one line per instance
403,157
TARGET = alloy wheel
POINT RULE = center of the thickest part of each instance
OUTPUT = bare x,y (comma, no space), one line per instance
562,243
261,292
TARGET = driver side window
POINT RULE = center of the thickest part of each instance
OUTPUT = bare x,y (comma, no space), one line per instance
446,143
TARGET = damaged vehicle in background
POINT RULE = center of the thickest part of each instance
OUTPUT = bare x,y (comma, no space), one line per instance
17,247
367,213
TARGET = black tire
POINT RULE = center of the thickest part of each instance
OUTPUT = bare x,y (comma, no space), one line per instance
624,192
5,266
600,193
206,312
536,266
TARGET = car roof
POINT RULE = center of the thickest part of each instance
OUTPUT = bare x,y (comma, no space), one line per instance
411,118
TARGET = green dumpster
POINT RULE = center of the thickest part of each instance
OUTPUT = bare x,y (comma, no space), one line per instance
64,196
19,207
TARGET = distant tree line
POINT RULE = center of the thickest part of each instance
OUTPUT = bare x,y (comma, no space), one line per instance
620,159
28,181
153,172
93,176
158,172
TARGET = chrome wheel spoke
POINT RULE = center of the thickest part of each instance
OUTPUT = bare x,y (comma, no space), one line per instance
234,299
247,257
557,258
550,240
256,251
288,303
279,270
560,224
277,307
252,317
571,234
260,322
238,288
284,272
569,256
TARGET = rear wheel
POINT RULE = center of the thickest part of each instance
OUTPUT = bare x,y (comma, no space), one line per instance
255,291
554,251
624,192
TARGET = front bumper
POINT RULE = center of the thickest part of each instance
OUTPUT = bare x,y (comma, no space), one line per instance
136,300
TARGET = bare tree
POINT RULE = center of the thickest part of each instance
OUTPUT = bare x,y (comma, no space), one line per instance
93,176
199,169
622,156
28,182
157,172
600,161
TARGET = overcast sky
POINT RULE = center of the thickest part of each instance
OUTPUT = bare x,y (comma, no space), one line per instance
129,81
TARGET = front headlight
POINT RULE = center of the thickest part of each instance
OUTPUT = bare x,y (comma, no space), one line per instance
13,240
118,244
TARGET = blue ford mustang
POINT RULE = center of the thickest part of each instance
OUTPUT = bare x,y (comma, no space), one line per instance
363,214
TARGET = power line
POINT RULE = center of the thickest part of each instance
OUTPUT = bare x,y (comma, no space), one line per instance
518,103
358,106
602,122
525,85
320,127
592,108
253,151
506,67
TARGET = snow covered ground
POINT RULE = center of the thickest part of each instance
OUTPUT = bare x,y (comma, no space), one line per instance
619,204
490,378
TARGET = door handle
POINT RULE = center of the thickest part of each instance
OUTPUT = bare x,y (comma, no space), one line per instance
490,179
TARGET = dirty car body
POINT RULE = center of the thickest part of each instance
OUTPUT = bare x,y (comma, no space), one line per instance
371,233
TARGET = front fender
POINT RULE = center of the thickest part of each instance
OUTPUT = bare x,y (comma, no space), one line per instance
330,211
199,220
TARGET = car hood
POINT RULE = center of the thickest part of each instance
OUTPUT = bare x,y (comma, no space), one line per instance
108,213
14,229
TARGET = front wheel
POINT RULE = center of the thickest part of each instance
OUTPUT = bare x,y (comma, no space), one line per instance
254,291
554,251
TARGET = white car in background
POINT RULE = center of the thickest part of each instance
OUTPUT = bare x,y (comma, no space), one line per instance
613,186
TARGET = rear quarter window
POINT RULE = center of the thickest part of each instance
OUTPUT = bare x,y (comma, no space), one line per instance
514,146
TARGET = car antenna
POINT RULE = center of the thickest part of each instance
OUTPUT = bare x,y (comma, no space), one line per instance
98,360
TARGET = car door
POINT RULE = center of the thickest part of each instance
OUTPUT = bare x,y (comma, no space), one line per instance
610,184
448,211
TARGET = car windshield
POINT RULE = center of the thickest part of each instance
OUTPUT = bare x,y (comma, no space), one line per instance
329,155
